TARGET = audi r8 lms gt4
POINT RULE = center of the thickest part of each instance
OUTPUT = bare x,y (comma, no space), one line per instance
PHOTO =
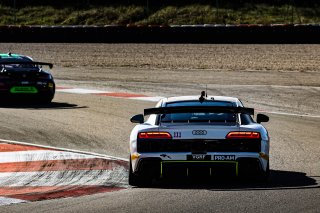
188,136
21,78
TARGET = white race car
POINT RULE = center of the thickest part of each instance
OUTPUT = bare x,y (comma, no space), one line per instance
192,136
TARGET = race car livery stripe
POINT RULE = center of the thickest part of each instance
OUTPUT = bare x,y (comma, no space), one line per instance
31,173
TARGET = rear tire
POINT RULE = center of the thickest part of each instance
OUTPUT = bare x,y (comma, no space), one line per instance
135,180
266,174
46,100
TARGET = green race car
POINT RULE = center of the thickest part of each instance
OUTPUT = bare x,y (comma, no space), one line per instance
22,79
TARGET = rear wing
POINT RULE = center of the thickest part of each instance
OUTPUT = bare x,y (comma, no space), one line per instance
191,109
27,62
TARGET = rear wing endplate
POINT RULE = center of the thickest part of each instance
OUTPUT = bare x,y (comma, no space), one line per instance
191,109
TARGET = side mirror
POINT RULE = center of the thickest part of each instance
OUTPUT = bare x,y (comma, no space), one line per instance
262,118
137,119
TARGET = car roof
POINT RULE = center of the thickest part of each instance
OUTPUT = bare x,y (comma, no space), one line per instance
14,57
196,98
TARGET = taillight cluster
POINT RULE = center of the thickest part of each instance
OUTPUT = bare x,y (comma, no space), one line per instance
230,135
241,135
154,135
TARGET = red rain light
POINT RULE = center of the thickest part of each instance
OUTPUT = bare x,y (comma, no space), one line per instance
154,135
250,135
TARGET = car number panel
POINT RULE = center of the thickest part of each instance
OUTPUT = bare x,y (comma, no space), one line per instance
23,89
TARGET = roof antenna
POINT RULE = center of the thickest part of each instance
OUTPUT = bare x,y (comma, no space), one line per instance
10,48
202,97
206,90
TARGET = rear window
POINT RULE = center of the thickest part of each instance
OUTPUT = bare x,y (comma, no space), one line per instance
199,117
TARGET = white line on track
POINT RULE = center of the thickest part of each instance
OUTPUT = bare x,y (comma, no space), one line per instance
292,114
64,149
81,91
152,99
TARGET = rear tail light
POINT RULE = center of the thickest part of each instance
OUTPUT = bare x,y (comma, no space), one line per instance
234,135
154,135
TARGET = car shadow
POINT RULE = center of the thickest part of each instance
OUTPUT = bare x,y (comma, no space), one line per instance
33,105
279,180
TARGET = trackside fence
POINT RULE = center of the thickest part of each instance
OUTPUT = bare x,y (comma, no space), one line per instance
278,33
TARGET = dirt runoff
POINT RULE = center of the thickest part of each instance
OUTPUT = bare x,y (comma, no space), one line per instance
272,77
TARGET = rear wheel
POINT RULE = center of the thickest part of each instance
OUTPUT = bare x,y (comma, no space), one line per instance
46,99
136,180
133,179
266,174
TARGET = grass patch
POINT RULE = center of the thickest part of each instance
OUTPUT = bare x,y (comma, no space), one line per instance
190,14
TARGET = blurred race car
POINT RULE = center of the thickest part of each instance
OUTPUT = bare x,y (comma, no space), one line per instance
192,136
21,78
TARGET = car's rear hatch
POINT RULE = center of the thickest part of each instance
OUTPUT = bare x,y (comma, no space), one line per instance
199,139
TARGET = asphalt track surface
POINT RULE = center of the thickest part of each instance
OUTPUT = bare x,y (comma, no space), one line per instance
101,124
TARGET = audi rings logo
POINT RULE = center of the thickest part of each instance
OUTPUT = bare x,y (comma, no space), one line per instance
199,132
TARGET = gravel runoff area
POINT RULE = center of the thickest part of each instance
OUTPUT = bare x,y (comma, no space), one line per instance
264,76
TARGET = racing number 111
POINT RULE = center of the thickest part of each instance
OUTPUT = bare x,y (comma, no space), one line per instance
177,134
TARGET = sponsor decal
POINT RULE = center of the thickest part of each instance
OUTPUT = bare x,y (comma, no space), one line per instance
224,157
199,157
199,132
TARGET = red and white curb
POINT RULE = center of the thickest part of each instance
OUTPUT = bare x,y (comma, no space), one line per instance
30,172
108,93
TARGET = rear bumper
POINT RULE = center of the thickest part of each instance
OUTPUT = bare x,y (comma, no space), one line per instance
161,166
7,93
